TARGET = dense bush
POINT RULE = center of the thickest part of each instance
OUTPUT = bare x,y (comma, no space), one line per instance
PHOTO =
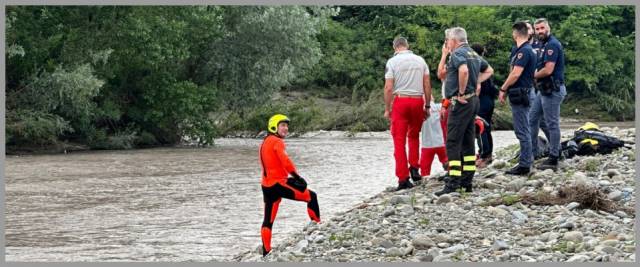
130,76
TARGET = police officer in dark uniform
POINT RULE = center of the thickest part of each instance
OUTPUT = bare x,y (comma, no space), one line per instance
551,93
462,77
519,88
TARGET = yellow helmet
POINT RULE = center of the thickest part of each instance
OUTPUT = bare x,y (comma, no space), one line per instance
275,120
589,126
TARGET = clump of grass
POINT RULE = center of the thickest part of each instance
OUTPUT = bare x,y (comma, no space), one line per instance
358,127
508,199
509,152
591,164
569,173
457,256
632,156
340,238
560,247
463,193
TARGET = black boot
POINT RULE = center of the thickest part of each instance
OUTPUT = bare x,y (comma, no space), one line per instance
550,163
405,184
467,184
264,252
517,170
415,174
451,185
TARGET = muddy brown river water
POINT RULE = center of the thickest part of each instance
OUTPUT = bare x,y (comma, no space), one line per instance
180,204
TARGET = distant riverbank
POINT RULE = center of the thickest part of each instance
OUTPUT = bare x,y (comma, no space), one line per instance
70,147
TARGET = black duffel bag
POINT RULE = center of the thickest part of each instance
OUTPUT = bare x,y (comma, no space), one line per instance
519,96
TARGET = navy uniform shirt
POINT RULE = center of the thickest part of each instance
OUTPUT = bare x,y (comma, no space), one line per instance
460,56
525,58
551,51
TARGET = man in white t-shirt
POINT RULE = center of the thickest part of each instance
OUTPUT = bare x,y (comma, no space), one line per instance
407,94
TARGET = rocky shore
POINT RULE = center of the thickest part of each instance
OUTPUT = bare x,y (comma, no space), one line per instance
496,222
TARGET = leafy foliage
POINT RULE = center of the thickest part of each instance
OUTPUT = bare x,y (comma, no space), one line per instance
127,76
134,75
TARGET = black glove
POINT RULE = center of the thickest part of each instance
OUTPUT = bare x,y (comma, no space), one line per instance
296,175
297,182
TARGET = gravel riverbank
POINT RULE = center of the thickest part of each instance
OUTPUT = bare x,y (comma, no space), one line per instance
493,223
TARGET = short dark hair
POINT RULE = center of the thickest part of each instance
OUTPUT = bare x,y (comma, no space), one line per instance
478,48
521,29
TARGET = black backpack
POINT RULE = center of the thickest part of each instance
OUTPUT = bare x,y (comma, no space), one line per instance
591,142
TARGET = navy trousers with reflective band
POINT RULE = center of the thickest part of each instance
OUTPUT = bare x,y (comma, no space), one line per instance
461,137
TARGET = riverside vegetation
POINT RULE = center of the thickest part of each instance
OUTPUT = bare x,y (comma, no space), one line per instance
120,77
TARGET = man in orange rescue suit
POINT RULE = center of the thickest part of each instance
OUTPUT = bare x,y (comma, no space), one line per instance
276,167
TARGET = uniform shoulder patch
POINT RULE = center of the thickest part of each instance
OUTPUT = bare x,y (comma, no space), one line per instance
520,55
549,52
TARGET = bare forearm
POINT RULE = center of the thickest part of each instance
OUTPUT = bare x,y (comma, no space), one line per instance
463,78
387,98
427,89
485,75
544,72
510,81
442,71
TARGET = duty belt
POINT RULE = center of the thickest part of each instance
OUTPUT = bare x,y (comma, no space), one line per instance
454,100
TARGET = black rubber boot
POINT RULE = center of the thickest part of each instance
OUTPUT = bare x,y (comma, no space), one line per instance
415,174
517,170
451,185
550,163
405,184
467,184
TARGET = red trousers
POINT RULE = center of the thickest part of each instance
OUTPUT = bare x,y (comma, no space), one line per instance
407,116
426,158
